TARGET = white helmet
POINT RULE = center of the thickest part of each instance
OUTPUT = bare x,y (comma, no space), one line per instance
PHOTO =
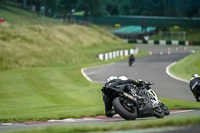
111,78
123,78
195,75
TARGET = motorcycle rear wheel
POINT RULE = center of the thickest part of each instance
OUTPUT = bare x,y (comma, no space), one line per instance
126,112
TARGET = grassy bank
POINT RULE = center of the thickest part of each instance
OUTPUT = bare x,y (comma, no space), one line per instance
40,75
19,17
54,45
187,66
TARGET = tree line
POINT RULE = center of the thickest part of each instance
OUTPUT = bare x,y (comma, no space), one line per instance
95,8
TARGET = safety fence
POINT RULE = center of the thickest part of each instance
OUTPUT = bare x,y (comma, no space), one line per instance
118,53
161,42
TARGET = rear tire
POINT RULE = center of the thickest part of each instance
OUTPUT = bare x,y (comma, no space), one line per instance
128,113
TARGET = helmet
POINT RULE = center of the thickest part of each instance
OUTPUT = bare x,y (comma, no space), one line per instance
123,78
195,75
111,78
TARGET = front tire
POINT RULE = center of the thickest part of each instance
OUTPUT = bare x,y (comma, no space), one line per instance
126,112
164,108
158,112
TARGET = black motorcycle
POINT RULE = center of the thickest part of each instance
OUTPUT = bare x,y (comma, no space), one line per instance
132,104
131,60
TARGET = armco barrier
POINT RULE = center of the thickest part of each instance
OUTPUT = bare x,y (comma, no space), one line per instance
161,42
118,53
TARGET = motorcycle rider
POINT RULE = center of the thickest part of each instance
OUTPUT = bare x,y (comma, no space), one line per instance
114,81
195,86
131,59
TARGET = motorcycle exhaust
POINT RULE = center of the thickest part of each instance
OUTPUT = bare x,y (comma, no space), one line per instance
131,98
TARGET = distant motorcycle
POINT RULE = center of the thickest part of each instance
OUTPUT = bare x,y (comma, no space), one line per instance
132,105
131,60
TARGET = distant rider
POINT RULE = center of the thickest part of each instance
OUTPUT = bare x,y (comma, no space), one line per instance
131,59
115,81
195,86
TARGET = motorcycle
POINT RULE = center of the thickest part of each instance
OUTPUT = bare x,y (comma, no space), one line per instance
156,100
131,60
132,105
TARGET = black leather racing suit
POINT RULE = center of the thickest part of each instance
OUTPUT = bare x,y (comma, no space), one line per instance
108,101
195,87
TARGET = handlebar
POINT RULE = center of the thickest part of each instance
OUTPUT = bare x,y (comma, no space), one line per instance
146,85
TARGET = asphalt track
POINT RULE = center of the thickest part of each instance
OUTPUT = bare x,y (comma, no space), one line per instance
150,68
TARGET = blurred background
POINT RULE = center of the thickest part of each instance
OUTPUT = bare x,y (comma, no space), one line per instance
146,19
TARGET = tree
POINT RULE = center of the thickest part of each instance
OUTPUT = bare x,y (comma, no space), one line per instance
112,7
2,3
24,3
66,7
94,8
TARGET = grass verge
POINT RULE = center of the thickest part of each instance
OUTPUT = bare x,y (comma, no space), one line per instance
187,66
44,93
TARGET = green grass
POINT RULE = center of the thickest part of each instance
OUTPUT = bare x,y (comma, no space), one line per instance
43,93
187,66
126,125
180,104
78,13
190,35
54,45
46,93
40,69
19,17
40,75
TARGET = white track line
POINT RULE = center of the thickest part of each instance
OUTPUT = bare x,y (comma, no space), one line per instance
88,78
171,75
83,73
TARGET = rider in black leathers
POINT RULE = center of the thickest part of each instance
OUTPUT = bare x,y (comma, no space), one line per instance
131,60
114,81
195,86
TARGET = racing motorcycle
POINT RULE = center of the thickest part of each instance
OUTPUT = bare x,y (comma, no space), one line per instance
131,60
157,101
132,104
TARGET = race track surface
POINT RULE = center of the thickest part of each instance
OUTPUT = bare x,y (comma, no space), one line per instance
150,68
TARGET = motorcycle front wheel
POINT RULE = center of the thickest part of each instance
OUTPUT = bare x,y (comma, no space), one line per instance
130,63
164,108
125,111
158,112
